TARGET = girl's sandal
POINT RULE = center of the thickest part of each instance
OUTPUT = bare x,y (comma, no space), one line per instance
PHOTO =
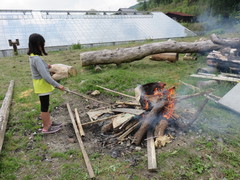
52,129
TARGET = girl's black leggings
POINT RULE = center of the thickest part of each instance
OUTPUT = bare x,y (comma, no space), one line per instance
44,100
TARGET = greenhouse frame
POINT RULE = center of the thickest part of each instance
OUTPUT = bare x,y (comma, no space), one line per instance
62,29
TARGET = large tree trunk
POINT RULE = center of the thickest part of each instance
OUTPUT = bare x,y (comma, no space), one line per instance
124,55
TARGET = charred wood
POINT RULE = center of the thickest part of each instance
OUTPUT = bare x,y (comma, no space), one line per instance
148,120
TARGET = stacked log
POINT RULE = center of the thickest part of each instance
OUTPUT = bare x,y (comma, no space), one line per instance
227,62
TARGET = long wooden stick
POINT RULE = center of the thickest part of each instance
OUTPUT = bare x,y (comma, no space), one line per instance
190,96
85,156
4,112
207,95
82,133
86,97
116,92
201,107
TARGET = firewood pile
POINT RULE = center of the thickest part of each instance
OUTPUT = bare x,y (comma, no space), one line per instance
227,60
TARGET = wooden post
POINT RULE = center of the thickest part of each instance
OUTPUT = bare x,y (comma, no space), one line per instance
4,112
82,133
151,152
85,156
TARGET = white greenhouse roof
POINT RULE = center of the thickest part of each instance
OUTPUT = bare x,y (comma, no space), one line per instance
64,28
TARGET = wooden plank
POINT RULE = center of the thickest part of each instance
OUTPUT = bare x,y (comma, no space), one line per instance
128,103
151,152
121,138
121,118
231,75
212,76
129,110
4,112
232,98
82,133
100,120
85,156
93,115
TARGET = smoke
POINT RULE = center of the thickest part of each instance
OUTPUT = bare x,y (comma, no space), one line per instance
218,24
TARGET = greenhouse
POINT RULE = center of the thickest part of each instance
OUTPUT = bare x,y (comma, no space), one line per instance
62,29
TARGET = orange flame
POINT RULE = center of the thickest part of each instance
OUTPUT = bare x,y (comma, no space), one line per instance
169,109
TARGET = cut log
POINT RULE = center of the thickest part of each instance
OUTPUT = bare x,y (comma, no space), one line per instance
125,55
151,152
188,56
172,57
4,112
61,71
85,155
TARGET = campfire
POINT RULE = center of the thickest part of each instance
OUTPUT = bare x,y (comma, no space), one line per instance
153,113
151,119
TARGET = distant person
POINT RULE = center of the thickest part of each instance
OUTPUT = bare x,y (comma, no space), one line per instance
43,83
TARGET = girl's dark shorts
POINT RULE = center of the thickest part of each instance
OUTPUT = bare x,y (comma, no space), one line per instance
44,100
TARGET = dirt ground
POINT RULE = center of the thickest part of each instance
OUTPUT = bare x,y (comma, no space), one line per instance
95,140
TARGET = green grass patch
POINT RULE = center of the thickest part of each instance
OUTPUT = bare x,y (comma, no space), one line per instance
213,153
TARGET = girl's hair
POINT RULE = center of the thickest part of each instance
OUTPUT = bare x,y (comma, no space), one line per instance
36,44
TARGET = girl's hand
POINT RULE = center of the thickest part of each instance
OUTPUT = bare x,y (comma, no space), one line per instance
61,88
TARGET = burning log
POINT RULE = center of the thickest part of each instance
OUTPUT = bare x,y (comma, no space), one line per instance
148,120
160,131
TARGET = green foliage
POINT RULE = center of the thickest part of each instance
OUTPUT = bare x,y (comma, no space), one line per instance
76,46
223,8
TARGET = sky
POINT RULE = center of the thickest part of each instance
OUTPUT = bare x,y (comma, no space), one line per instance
107,5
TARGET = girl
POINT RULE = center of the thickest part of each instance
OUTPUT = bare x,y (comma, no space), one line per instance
42,81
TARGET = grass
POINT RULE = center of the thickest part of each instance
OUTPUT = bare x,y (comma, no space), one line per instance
210,151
